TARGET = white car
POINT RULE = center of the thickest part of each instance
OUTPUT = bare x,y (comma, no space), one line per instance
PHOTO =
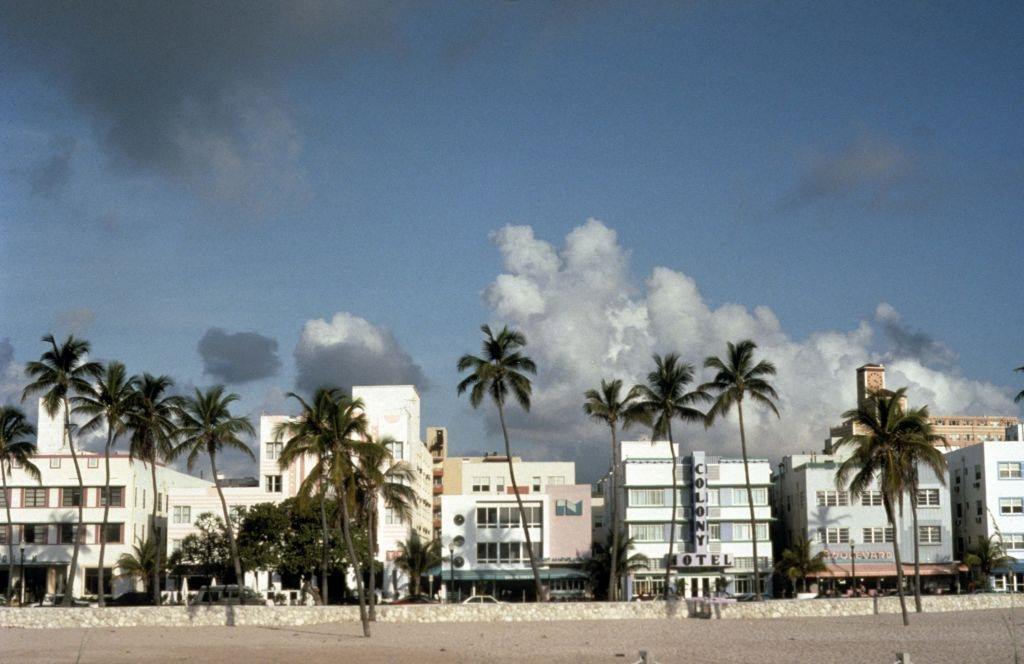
481,599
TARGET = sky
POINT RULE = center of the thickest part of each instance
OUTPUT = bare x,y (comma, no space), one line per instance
276,196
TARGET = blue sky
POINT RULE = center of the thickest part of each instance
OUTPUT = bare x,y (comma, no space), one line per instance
169,171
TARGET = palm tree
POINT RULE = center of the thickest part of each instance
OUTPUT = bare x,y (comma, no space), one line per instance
501,372
609,407
738,377
154,431
877,455
1020,395
208,427
664,399
143,562
598,564
920,449
985,557
798,563
16,449
416,558
378,475
107,404
60,373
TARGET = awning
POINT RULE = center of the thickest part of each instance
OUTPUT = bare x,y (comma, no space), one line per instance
888,569
1017,567
508,574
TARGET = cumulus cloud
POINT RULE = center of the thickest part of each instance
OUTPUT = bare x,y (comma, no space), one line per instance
238,357
193,91
49,177
349,350
908,343
586,319
12,376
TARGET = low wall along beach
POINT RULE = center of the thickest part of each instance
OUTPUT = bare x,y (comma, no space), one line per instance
287,616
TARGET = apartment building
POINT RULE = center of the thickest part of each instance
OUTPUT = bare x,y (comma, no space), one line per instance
44,515
714,543
489,474
437,443
987,489
486,541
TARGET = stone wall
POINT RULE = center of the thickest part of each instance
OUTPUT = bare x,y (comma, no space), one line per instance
284,616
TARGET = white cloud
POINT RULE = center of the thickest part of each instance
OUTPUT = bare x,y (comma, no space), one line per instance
585,319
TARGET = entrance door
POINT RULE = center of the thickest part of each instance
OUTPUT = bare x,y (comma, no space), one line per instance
694,591
705,587
35,584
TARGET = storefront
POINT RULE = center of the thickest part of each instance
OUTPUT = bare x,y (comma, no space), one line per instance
881,578
514,585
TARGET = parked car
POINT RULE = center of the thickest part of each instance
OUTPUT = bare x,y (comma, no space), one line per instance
416,599
230,595
481,599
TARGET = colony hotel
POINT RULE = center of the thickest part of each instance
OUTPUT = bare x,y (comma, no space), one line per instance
714,543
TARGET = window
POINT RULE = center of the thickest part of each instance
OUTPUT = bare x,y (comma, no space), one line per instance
870,498
977,472
481,485
114,533
980,508
511,552
94,462
116,496
487,552
66,533
647,532
34,533
182,514
741,532
556,480
568,508
33,497
535,484
928,497
714,532
646,498
397,449
1013,541
273,483
487,517
391,518
1011,506
71,496
1009,470
833,499
834,535
92,580
712,497
54,462
739,496
930,534
499,485
274,450
3,497
881,535
175,545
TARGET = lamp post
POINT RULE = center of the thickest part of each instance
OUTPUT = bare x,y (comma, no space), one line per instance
853,569
21,600
451,578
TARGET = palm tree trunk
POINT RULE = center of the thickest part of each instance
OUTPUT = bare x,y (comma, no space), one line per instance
155,587
10,536
917,550
750,501
672,519
371,595
522,512
347,535
613,587
326,547
227,524
79,532
106,511
899,561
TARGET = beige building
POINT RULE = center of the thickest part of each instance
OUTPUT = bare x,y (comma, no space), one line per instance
437,444
958,430
489,474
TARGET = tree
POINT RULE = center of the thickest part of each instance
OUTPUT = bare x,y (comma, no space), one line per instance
1020,395
416,558
208,427
261,535
738,377
204,552
986,556
877,454
378,475
16,449
154,431
664,399
798,563
107,404
143,562
61,373
598,564
608,406
499,373
920,449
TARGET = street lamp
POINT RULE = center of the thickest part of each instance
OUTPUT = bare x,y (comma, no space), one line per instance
853,569
451,578
21,601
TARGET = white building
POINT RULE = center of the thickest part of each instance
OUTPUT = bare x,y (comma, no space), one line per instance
486,543
987,488
44,514
392,411
714,541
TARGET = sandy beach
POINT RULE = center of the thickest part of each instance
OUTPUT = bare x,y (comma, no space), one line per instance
976,637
